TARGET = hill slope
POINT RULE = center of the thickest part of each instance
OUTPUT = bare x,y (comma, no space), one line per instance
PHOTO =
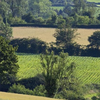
13,96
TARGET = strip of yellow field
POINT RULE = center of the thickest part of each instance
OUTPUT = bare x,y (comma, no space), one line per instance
13,96
46,34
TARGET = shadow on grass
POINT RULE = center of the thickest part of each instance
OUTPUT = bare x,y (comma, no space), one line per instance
31,83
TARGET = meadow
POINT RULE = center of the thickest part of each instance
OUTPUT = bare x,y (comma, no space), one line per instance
96,1
87,70
46,34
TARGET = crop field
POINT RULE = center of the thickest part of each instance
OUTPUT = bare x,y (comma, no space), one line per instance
13,96
46,34
87,70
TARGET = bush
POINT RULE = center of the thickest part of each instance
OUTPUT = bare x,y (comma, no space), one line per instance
20,89
40,90
27,45
16,20
29,18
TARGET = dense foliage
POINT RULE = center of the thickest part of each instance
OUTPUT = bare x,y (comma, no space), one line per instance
55,68
29,45
5,30
8,63
94,40
74,12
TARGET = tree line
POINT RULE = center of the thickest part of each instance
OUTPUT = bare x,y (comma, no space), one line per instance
75,12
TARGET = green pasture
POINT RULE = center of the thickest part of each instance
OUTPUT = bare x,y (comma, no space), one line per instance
96,1
87,70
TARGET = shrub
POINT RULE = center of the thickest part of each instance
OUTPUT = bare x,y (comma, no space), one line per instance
27,45
40,90
16,20
20,89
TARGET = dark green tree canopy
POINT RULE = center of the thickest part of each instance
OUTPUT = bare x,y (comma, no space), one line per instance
5,30
94,40
65,37
8,61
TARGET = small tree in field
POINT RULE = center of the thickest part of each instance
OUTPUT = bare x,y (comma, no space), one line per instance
8,62
65,37
94,40
54,69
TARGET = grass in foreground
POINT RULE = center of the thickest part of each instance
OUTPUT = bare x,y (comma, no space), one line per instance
87,71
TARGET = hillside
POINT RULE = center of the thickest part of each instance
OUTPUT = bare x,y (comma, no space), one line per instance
13,96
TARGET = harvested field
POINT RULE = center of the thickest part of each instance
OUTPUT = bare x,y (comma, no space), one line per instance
13,96
46,34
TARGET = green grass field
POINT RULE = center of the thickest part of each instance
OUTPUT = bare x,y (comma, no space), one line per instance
96,1
87,71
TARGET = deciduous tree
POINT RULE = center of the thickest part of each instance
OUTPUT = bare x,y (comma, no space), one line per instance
54,69
65,37
94,40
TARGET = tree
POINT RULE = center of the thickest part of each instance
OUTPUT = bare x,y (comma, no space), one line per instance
79,6
65,37
39,8
55,68
4,10
29,18
17,7
61,22
94,40
5,30
8,62
83,20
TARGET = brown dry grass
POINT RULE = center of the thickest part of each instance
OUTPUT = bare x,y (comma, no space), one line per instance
46,34
13,96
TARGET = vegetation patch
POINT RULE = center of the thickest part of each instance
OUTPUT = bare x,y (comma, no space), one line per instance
87,73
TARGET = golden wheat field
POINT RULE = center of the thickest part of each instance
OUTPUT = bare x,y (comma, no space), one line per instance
13,96
46,34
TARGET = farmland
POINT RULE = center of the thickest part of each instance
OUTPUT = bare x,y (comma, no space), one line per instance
46,34
12,96
87,71
96,1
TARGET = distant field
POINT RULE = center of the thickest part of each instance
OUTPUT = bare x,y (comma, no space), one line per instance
93,1
13,96
46,34
87,71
